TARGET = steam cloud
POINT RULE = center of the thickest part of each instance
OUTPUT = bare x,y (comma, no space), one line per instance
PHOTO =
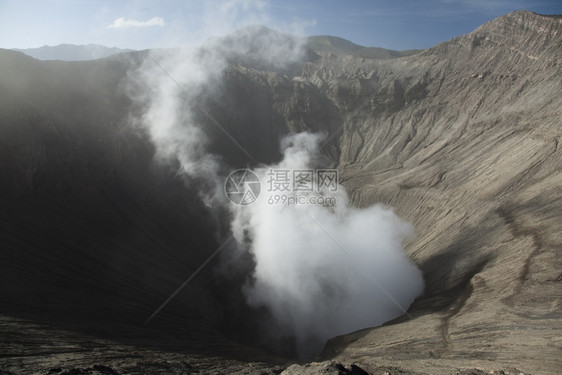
319,270
323,270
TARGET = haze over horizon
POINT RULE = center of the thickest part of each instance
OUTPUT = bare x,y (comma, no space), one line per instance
144,24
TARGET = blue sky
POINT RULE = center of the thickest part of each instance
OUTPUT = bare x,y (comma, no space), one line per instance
140,24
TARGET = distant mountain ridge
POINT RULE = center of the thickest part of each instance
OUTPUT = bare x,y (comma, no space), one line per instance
339,46
72,52
320,43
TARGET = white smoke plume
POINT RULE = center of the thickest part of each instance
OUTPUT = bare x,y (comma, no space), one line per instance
324,270
320,271
169,81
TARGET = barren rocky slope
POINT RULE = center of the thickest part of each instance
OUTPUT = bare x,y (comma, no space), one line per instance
462,139
467,148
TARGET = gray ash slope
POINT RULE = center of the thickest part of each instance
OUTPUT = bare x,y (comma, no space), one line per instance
464,142
462,139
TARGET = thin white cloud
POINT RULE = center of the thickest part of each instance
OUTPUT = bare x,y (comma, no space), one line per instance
122,23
